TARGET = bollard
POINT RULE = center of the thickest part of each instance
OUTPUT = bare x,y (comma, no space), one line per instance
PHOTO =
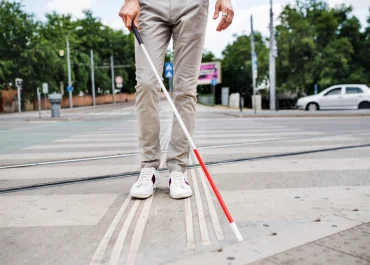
39,101
55,100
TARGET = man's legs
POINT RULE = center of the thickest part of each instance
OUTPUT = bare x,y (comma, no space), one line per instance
156,35
189,35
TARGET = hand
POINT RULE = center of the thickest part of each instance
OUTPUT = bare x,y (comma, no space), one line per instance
227,14
130,11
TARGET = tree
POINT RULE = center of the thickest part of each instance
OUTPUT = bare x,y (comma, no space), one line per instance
319,45
237,66
363,55
208,56
30,49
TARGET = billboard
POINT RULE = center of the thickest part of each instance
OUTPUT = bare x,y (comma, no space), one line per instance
208,71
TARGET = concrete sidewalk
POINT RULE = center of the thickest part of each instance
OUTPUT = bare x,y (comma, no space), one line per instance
349,246
290,185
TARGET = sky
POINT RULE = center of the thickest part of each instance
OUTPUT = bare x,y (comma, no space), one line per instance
216,42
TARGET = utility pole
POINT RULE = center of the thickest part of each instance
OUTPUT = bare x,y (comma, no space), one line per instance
112,72
69,73
272,62
69,66
254,66
92,77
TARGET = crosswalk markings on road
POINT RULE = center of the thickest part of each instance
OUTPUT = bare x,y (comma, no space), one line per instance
189,224
202,220
211,206
208,224
99,253
117,249
139,227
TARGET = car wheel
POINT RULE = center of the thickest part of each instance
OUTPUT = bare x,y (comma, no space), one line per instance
312,106
364,105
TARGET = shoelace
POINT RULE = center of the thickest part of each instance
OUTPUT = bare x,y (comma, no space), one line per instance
177,179
145,177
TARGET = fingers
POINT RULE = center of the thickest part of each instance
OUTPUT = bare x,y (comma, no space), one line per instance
217,10
227,18
130,12
136,20
220,25
128,22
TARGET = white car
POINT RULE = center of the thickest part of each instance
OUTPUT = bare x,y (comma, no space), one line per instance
338,97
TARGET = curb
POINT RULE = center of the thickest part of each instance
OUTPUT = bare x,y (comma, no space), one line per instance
52,120
299,115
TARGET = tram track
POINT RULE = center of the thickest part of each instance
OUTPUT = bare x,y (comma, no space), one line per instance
133,154
209,164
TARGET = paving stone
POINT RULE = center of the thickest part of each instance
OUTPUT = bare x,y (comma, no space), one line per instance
263,262
312,254
352,241
364,228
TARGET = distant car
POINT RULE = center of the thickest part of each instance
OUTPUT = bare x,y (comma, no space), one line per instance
337,97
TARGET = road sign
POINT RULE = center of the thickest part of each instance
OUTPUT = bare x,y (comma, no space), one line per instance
208,71
19,83
316,89
255,65
45,88
275,49
168,70
214,81
69,88
119,80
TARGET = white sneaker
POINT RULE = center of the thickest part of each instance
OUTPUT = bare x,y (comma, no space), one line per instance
145,184
179,187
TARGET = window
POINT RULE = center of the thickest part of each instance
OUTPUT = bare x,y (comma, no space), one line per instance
333,92
354,90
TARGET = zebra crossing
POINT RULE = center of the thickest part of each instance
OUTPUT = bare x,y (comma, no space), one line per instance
265,195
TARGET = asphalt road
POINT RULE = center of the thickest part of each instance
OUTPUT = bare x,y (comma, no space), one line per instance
289,182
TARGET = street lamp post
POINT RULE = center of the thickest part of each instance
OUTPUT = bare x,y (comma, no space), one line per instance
272,61
92,76
69,73
112,73
254,66
112,69
69,67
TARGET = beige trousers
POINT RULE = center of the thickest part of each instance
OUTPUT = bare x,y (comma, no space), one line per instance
186,22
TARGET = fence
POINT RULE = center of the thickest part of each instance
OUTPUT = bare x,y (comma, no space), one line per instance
9,103
206,99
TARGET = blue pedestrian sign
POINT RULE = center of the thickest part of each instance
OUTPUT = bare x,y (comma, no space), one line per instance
255,61
255,65
69,88
214,82
168,70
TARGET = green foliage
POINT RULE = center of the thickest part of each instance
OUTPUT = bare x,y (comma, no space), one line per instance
30,49
316,45
237,66
320,45
209,56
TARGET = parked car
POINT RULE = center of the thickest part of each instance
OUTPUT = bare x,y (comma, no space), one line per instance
338,97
